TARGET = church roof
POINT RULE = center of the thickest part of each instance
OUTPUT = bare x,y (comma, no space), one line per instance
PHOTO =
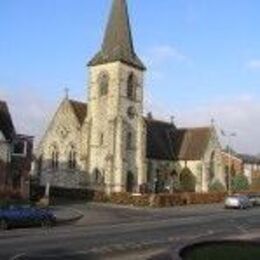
166,142
6,123
80,110
118,42
194,142
161,140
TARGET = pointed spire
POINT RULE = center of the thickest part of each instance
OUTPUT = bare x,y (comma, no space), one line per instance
118,43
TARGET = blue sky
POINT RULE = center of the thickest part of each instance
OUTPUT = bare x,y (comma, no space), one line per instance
203,59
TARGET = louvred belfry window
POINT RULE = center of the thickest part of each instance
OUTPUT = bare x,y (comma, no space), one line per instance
131,86
103,83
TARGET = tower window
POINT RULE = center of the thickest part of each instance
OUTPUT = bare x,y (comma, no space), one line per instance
103,82
129,141
101,140
131,86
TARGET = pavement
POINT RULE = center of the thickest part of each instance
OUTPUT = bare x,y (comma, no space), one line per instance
125,233
66,214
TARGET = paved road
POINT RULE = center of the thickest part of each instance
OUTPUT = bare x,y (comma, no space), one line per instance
109,232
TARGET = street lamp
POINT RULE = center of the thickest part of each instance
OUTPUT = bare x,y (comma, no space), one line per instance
229,136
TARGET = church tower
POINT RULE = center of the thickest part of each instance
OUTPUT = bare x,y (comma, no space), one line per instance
115,126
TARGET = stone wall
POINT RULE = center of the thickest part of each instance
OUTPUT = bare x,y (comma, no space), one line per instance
62,135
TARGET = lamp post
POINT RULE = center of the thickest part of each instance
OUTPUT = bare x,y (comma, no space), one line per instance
229,136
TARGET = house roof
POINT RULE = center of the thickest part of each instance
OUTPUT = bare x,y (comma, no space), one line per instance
166,142
80,110
250,159
118,42
6,123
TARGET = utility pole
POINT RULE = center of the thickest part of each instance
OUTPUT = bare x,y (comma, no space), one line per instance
229,136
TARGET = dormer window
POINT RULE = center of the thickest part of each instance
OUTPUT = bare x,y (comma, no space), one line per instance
131,86
103,83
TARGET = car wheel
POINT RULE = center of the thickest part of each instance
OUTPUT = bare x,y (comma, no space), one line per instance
46,223
3,224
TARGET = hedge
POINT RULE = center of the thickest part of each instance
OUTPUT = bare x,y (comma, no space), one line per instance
160,200
10,194
142,200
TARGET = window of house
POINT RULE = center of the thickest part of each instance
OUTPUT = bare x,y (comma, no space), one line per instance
103,82
20,148
131,86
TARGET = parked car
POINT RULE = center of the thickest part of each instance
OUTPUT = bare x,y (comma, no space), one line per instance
238,201
14,216
254,198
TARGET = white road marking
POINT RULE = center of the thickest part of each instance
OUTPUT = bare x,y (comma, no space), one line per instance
16,257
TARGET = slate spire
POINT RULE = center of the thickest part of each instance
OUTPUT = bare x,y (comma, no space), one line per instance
118,43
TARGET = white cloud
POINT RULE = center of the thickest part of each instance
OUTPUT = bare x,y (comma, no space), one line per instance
30,110
164,53
239,114
253,64
168,52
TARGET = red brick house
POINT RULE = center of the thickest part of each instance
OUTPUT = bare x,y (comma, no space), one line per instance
15,155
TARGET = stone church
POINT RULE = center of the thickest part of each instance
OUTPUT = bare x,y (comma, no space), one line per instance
107,143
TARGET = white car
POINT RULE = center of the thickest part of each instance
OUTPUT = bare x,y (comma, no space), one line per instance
238,201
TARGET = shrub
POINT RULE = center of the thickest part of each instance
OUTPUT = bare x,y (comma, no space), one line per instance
239,183
255,186
217,186
176,186
187,180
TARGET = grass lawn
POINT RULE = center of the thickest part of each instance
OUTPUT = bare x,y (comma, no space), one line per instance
241,251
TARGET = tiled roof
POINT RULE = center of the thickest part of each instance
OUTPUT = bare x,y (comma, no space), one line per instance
6,124
118,43
161,140
194,142
80,110
166,142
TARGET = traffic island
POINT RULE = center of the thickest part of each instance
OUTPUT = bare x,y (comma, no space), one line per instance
224,250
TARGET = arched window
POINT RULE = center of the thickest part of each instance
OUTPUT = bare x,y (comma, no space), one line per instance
212,167
55,158
98,177
103,83
72,163
129,141
131,86
130,182
101,139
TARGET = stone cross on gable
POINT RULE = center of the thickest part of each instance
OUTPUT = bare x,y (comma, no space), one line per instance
66,90
212,122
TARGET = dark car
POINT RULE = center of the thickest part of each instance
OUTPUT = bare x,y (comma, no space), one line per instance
13,217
